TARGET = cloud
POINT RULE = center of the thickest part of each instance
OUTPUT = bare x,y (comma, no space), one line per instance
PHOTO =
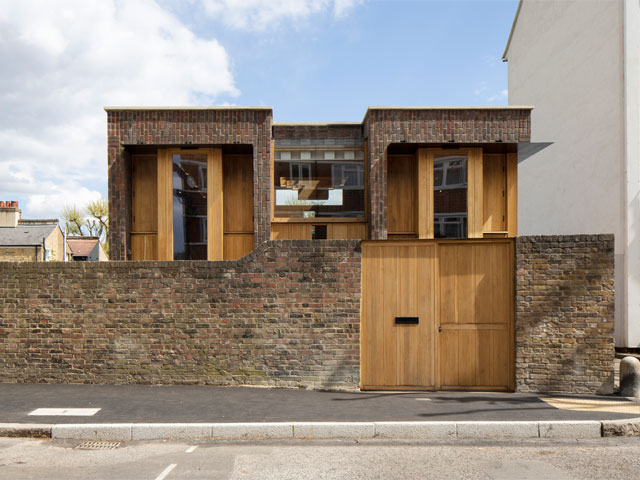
482,91
62,62
268,14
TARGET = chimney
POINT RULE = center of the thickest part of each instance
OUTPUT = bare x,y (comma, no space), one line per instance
10,214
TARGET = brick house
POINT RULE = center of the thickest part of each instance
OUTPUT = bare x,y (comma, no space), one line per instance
85,248
28,240
419,280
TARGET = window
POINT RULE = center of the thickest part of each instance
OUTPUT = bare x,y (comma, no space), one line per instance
450,196
347,175
300,172
319,182
450,172
189,206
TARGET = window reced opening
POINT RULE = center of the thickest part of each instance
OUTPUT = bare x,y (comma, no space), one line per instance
319,232
190,206
450,196
319,183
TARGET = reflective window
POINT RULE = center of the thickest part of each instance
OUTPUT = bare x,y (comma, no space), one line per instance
189,206
319,183
450,196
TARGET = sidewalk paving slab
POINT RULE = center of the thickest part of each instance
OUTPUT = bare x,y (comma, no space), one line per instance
143,412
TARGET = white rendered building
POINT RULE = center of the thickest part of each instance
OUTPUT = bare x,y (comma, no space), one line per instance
577,62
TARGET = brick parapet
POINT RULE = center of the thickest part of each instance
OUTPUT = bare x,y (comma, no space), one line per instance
565,314
285,315
324,131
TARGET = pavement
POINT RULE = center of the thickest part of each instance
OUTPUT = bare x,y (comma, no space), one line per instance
126,412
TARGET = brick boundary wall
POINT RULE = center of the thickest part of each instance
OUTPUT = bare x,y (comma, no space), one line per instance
193,127
286,315
565,314
385,126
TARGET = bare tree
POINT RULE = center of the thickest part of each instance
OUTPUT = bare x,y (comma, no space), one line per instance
92,220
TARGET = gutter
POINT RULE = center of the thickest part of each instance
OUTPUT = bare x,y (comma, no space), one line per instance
513,27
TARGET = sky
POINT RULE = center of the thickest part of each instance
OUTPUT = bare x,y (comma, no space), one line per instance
311,60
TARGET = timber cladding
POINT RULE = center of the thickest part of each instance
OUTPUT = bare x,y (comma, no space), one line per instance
288,315
564,314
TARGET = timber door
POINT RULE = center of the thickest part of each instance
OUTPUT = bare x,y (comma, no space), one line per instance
437,314
476,302
398,315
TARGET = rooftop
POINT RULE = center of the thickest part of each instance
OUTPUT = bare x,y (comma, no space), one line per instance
26,234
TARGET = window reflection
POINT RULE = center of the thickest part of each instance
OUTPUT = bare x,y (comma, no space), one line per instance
190,206
319,183
450,196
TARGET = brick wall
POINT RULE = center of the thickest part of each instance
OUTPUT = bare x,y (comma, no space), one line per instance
564,314
384,126
168,127
18,254
321,132
288,314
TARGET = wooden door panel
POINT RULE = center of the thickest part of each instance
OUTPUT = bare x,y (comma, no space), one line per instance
237,171
401,194
398,282
495,200
476,299
465,288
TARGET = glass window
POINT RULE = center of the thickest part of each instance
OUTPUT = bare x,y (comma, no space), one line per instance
319,183
450,196
190,206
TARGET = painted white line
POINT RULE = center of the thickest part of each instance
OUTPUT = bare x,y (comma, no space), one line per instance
190,449
65,412
166,471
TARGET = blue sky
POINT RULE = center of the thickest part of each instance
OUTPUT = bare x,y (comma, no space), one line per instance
380,52
311,60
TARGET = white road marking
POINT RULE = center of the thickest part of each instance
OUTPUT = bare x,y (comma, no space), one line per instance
190,449
166,471
65,412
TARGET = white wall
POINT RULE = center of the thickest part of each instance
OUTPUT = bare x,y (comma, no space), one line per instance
566,59
632,159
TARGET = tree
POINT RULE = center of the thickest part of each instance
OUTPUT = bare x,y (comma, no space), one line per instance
91,220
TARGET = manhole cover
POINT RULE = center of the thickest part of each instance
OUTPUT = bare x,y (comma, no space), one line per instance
91,445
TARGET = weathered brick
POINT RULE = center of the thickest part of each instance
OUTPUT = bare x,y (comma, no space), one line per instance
187,322
558,285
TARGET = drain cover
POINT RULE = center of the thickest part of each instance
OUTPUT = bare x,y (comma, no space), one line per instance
91,445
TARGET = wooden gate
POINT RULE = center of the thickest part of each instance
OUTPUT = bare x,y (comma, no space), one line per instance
437,314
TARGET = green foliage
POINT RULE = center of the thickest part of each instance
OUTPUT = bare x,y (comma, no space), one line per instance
91,220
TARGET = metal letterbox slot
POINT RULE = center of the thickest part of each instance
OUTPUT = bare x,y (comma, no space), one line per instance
407,320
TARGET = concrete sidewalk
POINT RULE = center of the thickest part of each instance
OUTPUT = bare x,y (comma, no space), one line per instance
143,412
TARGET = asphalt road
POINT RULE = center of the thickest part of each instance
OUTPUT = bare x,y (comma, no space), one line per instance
605,458
202,404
